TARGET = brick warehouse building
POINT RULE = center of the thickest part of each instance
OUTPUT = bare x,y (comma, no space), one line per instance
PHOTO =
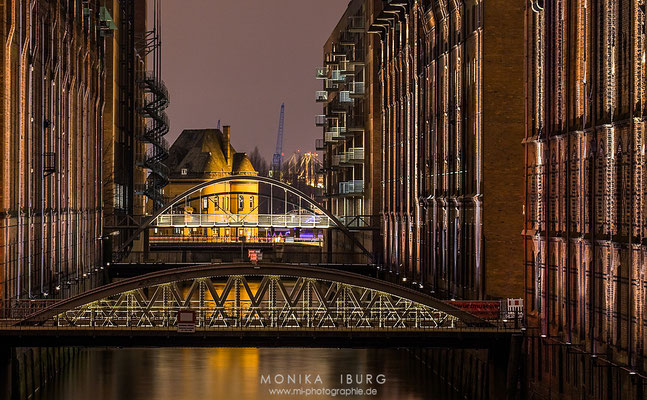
68,128
51,127
452,88
585,210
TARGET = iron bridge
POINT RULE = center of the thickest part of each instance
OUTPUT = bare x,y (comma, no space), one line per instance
279,206
244,304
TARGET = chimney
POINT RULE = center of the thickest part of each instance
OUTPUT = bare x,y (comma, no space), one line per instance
226,140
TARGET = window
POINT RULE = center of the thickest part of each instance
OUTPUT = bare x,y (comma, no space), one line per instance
241,202
205,203
251,202
184,171
215,201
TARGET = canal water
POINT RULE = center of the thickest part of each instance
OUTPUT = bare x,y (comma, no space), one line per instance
244,374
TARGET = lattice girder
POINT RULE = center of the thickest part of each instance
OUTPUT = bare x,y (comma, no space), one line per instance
259,301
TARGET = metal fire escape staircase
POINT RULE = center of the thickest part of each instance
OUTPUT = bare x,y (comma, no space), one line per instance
157,126
156,100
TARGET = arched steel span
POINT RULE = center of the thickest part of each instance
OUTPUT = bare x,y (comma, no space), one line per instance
252,178
168,278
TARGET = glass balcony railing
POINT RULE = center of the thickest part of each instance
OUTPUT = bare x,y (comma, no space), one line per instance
320,120
332,135
344,97
321,96
355,154
337,76
322,73
351,187
358,89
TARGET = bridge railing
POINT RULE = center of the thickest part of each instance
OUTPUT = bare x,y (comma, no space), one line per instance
269,254
250,240
255,220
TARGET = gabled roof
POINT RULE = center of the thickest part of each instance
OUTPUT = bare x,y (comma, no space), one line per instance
200,152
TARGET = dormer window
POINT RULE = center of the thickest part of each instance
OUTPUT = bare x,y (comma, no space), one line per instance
184,171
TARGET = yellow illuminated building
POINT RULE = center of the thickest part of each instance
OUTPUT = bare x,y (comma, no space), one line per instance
203,155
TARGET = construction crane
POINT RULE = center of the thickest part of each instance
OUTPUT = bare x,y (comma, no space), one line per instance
278,154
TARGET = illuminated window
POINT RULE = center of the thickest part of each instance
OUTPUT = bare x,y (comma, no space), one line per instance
184,171
215,201
241,202
251,202
205,203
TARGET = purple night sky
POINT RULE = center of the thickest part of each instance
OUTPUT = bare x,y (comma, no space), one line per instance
237,61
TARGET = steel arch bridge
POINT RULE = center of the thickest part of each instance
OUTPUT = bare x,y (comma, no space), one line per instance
309,214
254,297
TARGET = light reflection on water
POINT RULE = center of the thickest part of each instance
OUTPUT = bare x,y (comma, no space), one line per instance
235,373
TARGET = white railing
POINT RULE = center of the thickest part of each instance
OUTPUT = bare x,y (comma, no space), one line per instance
322,73
358,88
333,134
344,97
251,220
337,76
321,95
356,154
356,186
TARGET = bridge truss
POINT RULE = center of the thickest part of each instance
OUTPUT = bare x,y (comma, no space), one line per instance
242,296
246,301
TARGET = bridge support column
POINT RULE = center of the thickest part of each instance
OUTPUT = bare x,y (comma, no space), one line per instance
503,366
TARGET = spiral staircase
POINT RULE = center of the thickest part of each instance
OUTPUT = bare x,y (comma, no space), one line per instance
157,125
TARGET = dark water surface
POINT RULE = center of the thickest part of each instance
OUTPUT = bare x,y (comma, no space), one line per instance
242,374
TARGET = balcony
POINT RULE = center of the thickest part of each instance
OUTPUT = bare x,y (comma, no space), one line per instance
355,155
335,133
322,73
321,96
320,120
358,89
344,97
351,187
337,76
331,86
346,68
332,135
319,144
